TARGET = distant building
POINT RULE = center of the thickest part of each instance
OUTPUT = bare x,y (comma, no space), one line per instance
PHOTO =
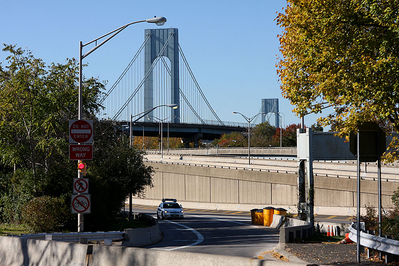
270,106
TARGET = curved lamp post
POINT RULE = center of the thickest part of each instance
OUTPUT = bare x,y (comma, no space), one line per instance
142,114
157,20
249,120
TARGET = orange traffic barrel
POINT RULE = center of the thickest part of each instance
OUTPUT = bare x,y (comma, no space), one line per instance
259,216
280,211
253,215
268,216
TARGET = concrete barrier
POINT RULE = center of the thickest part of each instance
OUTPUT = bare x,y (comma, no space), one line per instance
278,221
23,251
17,251
140,237
294,230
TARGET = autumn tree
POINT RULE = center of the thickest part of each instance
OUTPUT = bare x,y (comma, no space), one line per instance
343,55
233,139
288,136
262,135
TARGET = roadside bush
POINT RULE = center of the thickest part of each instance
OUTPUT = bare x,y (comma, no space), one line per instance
370,219
45,214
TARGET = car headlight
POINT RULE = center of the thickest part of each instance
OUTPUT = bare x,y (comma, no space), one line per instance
166,211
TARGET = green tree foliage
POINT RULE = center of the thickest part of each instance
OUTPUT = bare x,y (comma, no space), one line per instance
115,171
262,135
36,103
233,139
46,214
344,55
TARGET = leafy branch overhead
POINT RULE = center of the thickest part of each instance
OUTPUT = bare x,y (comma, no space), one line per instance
342,55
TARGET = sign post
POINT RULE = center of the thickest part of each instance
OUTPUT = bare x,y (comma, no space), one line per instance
80,148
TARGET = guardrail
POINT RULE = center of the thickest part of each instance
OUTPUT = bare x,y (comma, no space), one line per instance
388,246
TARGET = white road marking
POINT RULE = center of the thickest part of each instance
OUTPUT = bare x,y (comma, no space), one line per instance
200,238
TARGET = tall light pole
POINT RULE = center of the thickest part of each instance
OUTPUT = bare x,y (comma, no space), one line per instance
281,128
249,120
157,20
146,112
161,132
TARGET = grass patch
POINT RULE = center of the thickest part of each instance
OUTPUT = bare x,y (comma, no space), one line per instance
13,229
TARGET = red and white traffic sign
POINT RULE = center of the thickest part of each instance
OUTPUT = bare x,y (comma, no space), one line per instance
80,152
80,203
80,131
80,185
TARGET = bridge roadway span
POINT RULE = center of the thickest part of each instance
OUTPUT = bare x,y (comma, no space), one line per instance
189,132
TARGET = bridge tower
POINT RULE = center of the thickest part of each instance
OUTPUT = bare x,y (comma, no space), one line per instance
270,106
162,42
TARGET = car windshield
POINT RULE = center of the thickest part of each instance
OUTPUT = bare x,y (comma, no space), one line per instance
171,205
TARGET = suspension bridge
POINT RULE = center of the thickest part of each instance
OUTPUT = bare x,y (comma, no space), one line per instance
157,77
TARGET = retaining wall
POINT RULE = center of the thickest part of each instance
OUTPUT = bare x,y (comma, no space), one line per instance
245,189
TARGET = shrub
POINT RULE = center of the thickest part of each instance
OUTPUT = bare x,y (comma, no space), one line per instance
45,214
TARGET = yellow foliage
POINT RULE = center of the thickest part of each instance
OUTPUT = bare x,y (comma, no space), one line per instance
342,55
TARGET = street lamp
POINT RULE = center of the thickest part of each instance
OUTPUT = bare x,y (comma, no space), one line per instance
161,132
157,20
249,120
281,127
142,114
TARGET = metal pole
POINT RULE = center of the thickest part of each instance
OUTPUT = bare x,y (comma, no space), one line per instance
358,199
168,137
131,132
161,140
379,190
80,107
249,143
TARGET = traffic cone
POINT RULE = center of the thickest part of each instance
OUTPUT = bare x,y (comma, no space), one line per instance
332,231
346,240
328,230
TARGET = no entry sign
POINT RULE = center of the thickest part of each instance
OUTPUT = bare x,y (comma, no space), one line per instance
80,131
80,203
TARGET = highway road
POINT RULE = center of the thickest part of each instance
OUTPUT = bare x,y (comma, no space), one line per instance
219,232
214,232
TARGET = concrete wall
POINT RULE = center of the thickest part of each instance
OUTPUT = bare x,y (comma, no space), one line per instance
246,189
18,251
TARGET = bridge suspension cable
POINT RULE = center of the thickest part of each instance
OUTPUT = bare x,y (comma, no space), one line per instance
182,94
127,94
198,86
126,70
143,80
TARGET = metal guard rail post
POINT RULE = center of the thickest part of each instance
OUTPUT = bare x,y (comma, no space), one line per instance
385,245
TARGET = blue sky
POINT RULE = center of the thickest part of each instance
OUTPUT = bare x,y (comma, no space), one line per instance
231,46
